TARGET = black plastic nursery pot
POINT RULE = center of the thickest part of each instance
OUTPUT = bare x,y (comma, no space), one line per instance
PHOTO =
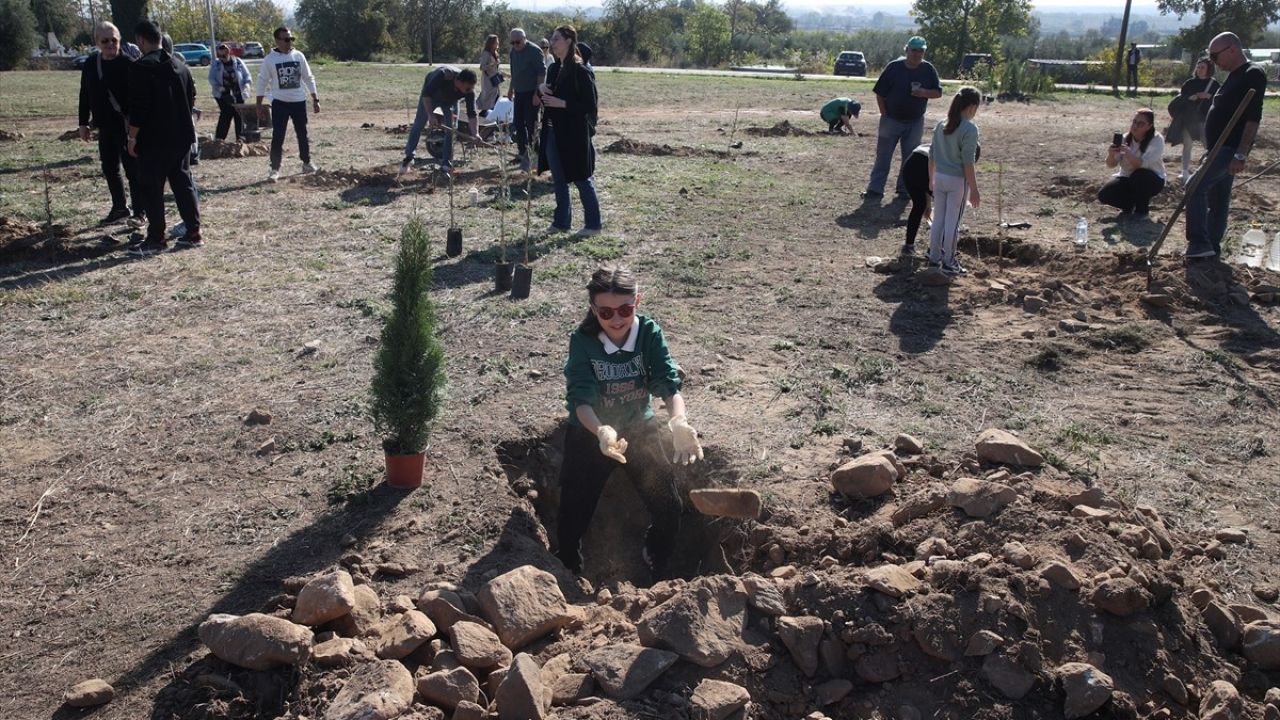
502,276
523,281
453,243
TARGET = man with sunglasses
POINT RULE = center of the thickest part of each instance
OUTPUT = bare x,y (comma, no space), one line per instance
903,92
104,92
1208,206
286,74
528,70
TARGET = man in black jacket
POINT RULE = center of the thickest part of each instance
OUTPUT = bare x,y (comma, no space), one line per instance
104,92
161,96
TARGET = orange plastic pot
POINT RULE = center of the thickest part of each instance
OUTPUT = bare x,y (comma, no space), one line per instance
405,471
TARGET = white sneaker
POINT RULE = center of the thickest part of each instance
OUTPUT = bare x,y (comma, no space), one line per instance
308,168
274,175
404,166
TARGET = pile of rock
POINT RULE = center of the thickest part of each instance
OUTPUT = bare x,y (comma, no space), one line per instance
993,581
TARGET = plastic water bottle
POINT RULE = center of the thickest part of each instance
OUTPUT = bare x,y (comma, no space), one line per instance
1251,247
1082,234
474,195
1273,260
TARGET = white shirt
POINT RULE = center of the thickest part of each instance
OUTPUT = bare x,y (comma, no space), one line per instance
286,75
629,345
1152,159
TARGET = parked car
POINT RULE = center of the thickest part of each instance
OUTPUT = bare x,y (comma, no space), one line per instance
237,49
969,63
194,53
80,60
254,50
851,62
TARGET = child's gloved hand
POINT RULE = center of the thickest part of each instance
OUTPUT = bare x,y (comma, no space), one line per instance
610,445
685,440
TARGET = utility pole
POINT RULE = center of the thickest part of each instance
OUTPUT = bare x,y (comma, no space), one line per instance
1124,35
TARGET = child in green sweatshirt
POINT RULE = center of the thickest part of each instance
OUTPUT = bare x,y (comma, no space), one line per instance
617,361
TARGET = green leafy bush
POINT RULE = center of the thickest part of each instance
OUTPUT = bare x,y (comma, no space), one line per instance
409,379
17,33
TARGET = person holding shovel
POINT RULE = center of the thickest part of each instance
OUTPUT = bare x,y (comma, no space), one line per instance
229,79
1210,201
618,360
442,89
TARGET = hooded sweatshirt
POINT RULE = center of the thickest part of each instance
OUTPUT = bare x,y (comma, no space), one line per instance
161,95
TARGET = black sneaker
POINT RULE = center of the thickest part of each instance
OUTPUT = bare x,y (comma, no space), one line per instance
190,240
148,247
115,215
872,194
908,250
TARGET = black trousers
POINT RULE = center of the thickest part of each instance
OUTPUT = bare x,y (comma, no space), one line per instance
834,125
582,478
915,175
281,112
175,168
525,119
226,115
1133,77
114,155
1132,193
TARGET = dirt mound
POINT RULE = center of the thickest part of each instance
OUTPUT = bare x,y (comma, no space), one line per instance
966,584
1068,186
75,135
211,149
399,130
10,135
628,146
21,238
782,129
345,179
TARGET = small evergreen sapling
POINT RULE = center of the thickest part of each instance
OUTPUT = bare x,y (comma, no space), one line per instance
409,379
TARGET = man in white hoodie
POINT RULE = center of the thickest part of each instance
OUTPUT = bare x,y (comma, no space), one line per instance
286,74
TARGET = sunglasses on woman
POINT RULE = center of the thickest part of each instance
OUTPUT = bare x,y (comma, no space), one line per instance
623,311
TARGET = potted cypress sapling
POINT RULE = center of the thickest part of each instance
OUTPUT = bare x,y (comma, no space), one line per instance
408,379
524,278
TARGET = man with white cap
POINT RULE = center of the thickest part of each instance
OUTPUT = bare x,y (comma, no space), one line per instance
903,92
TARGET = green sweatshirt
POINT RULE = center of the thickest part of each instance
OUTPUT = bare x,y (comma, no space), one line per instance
618,385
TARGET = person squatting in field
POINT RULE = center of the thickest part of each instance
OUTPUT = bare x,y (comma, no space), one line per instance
617,361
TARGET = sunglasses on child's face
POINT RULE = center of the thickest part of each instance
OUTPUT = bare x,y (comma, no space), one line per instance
623,311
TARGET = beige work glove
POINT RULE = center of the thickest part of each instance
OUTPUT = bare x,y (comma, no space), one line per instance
610,445
685,440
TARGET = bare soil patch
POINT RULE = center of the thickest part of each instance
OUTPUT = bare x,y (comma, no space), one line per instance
139,501
782,129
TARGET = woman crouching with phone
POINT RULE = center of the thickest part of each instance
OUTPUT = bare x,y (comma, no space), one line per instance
1139,155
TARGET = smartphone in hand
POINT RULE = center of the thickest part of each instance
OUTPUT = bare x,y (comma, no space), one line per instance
1117,139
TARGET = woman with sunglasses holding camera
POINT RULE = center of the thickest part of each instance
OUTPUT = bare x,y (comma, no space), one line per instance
617,361
1139,157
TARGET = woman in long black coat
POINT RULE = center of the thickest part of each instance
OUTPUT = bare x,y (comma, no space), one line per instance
569,123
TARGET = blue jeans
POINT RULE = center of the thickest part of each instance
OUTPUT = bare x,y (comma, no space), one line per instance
420,121
281,112
890,133
586,191
1207,207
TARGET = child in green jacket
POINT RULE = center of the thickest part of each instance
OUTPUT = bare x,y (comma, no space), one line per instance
617,361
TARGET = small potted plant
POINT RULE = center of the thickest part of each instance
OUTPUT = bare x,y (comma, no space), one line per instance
523,281
453,241
408,378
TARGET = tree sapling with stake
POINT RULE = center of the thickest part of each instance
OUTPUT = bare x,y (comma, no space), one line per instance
453,241
524,273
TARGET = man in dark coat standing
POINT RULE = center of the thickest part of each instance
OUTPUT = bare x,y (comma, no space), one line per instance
104,92
161,96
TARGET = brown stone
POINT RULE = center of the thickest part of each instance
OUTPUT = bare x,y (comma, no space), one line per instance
893,580
624,671
325,597
89,693
727,502
717,700
1121,596
256,641
521,694
801,636
1000,446
1086,688
524,605
867,476
400,635
979,498
448,688
377,690
477,647
703,623
1261,645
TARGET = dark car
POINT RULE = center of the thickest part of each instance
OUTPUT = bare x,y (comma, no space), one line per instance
851,62
80,60
969,64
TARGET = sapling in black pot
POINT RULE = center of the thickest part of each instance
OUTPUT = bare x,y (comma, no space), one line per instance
523,281
408,376
502,269
453,242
